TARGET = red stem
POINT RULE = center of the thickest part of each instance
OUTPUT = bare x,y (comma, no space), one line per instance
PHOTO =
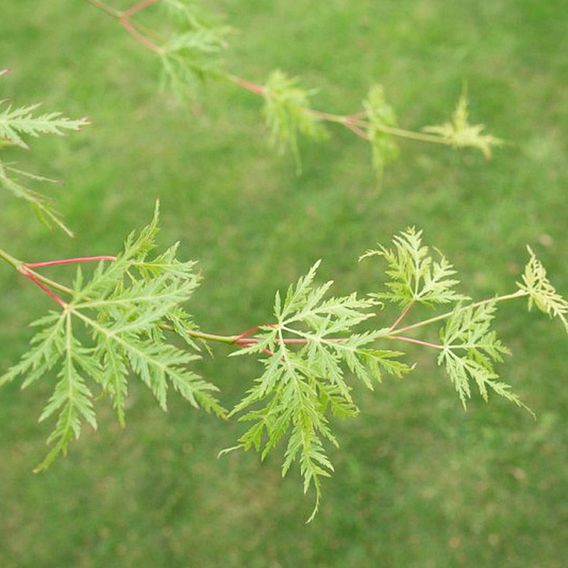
356,130
251,331
31,276
244,341
131,29
68,261
248,85
138,7
402,316
357,115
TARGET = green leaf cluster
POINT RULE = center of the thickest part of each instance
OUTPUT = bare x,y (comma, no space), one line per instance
470,350
288,113
415,276
541,292
118,324
15,124
128,320
382,118
192,53
469,345
300,388
459,133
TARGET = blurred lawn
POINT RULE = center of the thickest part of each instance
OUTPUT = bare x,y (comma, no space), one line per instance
419,482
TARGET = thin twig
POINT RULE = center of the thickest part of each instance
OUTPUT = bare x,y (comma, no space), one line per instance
252,330
105,8
415,341
402,316
358,131
138,7
517,294
140,37
69,261
31,276
248,85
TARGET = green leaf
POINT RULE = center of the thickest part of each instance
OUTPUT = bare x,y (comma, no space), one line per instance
185,11
10,180
15,122
310,348
123,315
71,399
47,346
541,292
459,133
192,54
288,114
381,117
415,276
471,349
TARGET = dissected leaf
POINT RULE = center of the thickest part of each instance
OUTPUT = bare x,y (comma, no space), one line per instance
382,118
541,292
288,113
300,387
415,276
115,326
459,133
192,52
471,349
11,180
16,122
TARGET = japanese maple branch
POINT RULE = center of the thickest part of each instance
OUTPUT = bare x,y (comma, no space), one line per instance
353,122
245,339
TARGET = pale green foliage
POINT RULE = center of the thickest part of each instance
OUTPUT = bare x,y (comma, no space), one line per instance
415,276
15,124
117,324
541,292
288,113
470,349
11,179
191,55
300,387
459,133
120,323
381,117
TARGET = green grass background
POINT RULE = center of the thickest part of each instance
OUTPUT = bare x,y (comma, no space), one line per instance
419,483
